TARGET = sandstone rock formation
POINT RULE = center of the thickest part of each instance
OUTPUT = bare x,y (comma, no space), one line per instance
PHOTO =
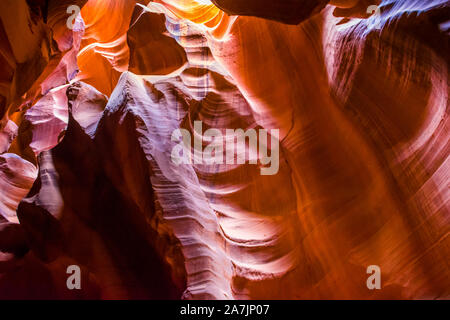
88,113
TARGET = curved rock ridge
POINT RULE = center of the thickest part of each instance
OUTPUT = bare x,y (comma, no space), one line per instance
38,52
286,11
353,98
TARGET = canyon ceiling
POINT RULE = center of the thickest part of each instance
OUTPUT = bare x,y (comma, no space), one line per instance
89,103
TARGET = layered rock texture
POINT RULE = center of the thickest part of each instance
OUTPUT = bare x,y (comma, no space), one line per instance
89,104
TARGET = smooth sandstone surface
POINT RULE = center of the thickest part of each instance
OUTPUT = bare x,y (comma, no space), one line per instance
87,114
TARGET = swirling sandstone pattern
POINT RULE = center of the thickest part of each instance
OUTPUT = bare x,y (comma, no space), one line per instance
86,177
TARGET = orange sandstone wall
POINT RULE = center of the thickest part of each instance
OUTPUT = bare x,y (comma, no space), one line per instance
354,100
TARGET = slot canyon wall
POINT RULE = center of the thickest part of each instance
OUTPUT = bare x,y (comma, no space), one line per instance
89,103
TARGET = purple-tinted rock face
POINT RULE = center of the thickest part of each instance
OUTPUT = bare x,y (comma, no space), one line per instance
223,149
